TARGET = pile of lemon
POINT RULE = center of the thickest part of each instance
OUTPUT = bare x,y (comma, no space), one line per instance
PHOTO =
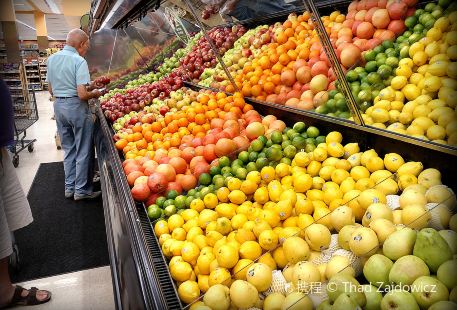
421,100
282,215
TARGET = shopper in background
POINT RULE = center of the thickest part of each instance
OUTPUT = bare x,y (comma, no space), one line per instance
68,78
15,212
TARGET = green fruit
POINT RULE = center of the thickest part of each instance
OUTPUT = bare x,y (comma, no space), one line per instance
224,161
253,156
219,181
430,7
330,105
215,170
432,248
370,55
291,133
204,191
310,148
299,127
332,93
312,132
286,160
251,167
204,179
273,154
160,201
418,28
352,76
371,66
241,173
410,21
154,212
172,194
392,62
261,162
276,137
290,151
299,142
189,200
169,210
180,202
226,170
384,71
374,78
378,49
243,156
322,109
364,95
236,163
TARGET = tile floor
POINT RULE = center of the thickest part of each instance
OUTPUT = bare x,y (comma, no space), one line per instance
86,289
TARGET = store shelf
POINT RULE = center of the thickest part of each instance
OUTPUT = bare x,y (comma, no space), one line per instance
9,72
140,276
11,80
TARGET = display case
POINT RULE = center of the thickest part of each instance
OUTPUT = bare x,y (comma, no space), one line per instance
235,56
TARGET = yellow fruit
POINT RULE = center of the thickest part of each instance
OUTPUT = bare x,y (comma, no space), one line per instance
295,250
411,167
334,136
233,183
302,159
393,161
193,232
243,294
313,168
304,274
203,284
415,216
241,267
260,226
359,172
254,176
222,194
268,260
423,122
250,250
280,257
320,154
302,183
204,262
364,242
261,195
181,271
452,52
375,163
370,196
197,205
268,239
399,82
406,180
432,84
436,132
438,68
161,227
326,172
335,149
411,91
318,237
321,215
237,197
219,276
259,275
339,264
268,174
404,71
238,221
227,256
163,238
282,170
274,190
188,291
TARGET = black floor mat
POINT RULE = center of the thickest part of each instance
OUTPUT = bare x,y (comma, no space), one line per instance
65,235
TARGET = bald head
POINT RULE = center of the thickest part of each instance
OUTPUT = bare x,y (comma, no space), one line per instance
77,39
76,36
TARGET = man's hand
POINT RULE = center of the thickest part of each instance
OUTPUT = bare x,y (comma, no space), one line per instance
94,85
97,93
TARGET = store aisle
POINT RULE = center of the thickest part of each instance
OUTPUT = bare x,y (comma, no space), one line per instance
86,289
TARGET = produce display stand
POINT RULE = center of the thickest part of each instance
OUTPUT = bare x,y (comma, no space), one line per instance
141,278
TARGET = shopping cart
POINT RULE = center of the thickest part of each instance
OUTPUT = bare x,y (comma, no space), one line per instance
25,115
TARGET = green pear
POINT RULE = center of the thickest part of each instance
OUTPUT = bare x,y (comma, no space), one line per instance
325,305
407,269
447,273
399,243
344,283
373,296
432,248
399,300
443,305
376,270
427,291
344,302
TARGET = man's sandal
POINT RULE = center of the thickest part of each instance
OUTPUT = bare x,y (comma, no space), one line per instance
30,299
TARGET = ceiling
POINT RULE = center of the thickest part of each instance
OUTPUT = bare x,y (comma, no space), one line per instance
60,16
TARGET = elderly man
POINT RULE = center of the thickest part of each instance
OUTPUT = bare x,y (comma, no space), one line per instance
68,79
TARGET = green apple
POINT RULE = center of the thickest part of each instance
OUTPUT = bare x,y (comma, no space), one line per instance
376,270
399,300
447,273
407,269
427,291
373,297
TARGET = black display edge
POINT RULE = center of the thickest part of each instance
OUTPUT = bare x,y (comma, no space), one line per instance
136,284
432,155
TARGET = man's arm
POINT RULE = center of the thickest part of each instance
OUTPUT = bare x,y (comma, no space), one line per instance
85,95
50,88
